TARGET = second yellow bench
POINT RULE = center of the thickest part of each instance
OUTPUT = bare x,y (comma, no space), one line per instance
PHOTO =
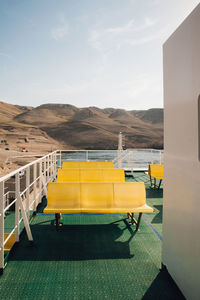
90,175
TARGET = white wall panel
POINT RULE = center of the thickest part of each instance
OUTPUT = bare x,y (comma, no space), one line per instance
181,219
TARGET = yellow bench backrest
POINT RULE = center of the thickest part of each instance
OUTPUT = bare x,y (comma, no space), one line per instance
68,175
156,170
64,195
88,175
91,175
87,164
129,194
96,195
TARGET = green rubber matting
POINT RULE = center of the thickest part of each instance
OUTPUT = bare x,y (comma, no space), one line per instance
91,257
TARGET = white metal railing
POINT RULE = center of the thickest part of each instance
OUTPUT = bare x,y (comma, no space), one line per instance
130,159
21,190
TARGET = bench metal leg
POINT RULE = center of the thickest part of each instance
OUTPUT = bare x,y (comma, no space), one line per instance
138,221
151,181
58,217
159,184
154,185
134,221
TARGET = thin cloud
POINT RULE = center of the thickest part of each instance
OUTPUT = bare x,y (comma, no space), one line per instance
5,55
118,30
160,35
59,33
114,37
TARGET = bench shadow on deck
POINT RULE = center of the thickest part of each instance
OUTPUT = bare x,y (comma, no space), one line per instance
76,242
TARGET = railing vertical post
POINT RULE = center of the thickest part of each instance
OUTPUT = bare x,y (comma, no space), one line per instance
44,175
133,158
17,191
160,158
60,160
50,160
40,181
131,155
1,226
47,168
34,186
27,191
119,154
55,167
52,167
151,156
86,155
129,159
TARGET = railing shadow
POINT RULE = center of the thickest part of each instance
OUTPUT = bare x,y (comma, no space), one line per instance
158,217
154,193
75,242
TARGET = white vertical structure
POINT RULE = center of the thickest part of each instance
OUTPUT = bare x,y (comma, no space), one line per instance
120,150
181,220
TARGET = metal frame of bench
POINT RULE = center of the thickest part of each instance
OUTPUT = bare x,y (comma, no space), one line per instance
134,221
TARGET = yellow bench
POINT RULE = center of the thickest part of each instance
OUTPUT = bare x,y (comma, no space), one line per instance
10,242
88,164
91,175
156,172
76,197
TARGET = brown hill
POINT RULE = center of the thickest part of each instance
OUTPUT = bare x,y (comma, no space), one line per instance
155,116
88,128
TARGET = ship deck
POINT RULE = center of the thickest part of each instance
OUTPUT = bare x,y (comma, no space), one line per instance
91,257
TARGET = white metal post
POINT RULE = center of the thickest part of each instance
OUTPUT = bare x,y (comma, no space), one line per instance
160,158
133,159
1,225
55,168
40,181
47,166
60,160
120,150
27,191
17,191
24,216
52,166
86,155
151,157
34,186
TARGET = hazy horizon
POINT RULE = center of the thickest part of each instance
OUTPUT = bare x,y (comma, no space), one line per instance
86,53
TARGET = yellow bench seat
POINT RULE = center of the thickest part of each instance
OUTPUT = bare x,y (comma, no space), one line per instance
11,241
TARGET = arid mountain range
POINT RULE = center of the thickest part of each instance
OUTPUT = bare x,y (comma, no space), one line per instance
67,126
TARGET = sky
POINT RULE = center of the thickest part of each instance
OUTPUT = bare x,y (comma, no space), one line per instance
104,53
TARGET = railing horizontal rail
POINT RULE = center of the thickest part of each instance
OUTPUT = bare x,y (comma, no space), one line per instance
24,167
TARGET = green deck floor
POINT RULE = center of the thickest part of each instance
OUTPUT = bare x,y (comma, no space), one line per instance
92,257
